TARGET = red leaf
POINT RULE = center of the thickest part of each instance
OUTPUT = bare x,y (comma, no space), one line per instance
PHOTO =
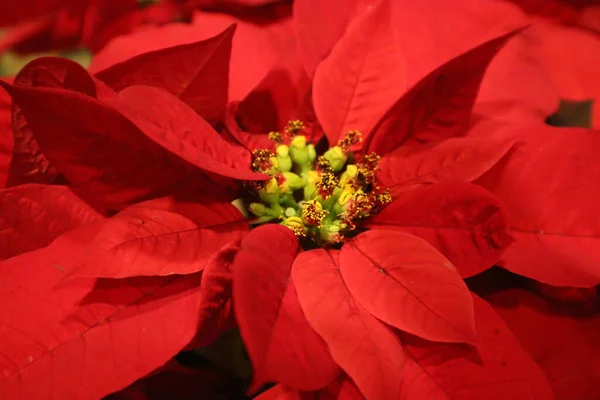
147,242
319,31
340,389
465,223
216,304
6,137
402,280
554,340
29,164
197,73
365,348
176,127
32,216
456,159
60,339
13,13
254,48
362,77
278,98
281,344
440,105
549,186
113,163
500,370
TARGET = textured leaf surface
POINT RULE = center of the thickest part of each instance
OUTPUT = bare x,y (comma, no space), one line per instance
457,159
282,345
197,73
466,224
500,370
254,48
6,137
59,339
362,77
440,105
29,164
216,312
111,162
555,340
402,280
149,242
549,186
340,389
366,349
176,127
33,215
319,31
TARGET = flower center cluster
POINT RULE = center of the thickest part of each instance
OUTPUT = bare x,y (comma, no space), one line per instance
318,197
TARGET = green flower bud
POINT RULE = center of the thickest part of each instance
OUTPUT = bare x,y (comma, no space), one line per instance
336,158
284,160
292,181
299,152
259,209
270,193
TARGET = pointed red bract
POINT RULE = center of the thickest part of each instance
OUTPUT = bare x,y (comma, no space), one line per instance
319,31
197,73
368,351
29,164
362,77
440,105
555,340
59,338
549,184
149,242
405,282
500,369
457,159
101,152
282,345
466,223
216,313
176,127
32,216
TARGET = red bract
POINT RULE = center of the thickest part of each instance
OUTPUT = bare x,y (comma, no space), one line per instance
353,287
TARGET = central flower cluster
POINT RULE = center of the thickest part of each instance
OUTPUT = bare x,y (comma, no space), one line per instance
319,197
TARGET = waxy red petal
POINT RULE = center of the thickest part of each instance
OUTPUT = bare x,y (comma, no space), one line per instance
32,216
362,77
59,339
173,125
197,73
555,340
148,242
112,163
29,164
440,105
402,280
500,369
466,223
549,185
282,345
456,159
368,351
319,31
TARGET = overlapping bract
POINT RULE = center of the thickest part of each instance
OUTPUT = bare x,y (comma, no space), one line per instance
140,254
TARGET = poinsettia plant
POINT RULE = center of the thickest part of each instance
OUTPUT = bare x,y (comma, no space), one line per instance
329,205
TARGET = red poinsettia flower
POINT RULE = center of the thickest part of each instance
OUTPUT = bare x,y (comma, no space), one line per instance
365,222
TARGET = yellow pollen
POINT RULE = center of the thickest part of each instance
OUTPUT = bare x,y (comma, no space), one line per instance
323,165
276,137
326,184
293,127
350,139
262,160
313,213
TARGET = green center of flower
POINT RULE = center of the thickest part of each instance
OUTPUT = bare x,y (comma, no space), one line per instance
318,197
